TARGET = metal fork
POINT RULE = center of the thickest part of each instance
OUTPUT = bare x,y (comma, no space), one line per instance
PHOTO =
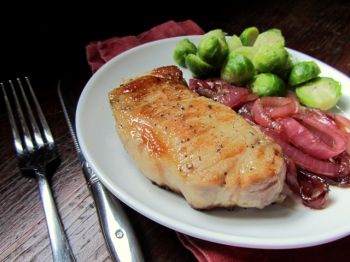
37,155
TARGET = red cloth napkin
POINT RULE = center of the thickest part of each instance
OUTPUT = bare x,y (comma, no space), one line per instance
206,251
100,52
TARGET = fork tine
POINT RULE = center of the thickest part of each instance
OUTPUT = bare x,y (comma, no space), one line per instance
47,132
36,131
16,136
27,138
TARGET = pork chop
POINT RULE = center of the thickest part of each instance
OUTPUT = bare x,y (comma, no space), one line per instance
194,145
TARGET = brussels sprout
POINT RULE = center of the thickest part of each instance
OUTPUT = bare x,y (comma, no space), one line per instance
209,50
249,35
213,48
267,84
238,69
221,35
270,58
321,92
233,43
270,37
198,67
182,49
248,51
285,70
303,72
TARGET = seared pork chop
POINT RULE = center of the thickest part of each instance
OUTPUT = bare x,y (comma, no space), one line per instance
194,145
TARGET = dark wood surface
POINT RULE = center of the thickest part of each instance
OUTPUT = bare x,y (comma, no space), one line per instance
53,50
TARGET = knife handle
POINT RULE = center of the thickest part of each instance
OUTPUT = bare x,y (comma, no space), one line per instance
117,230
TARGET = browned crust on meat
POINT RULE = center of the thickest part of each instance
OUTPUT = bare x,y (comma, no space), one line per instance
194,145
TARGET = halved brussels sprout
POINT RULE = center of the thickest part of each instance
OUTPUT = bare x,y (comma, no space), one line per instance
249,35
198,67
270,37
238,69
233,43
267,84
321,92
182,49
212,48
270,58
303,72
248,51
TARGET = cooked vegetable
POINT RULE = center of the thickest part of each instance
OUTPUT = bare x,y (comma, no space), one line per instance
209,50
303,138
233,43
238,69
182,49
248,51
249,35
213,48
320,124
322,93
303,72
284,72
270,58
267,84
221,35
270,37
198,67
240,58
221,91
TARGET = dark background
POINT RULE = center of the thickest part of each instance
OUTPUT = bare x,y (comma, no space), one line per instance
49,40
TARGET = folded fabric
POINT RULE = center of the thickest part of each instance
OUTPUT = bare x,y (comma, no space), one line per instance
99,52
206,251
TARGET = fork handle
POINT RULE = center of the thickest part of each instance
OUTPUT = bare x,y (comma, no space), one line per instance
60,247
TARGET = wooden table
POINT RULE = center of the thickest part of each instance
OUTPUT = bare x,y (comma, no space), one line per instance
318,28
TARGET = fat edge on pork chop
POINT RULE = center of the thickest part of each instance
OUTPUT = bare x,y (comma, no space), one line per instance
194,145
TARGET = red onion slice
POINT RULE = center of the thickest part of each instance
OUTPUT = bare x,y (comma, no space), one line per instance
325,127
301,137
303,160
222,92
313,190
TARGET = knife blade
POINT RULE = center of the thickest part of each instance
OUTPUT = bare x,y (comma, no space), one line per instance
119,235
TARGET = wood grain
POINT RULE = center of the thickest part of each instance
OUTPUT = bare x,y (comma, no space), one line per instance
318,28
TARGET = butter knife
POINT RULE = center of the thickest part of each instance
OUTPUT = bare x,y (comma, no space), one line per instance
119,235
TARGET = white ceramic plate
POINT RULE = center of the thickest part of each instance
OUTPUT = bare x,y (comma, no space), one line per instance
288,225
